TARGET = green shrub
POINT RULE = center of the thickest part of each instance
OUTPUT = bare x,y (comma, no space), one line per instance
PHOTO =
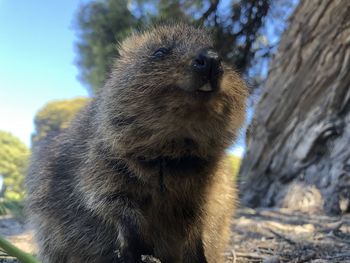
14,156
55,116
234,163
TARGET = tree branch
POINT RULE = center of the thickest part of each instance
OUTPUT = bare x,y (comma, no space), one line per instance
212,8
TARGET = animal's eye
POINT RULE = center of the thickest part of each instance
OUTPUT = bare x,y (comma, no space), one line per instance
161,52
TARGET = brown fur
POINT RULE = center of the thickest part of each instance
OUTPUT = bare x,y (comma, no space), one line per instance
141,169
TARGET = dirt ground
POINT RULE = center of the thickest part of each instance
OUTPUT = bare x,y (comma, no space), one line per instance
263,235
273,236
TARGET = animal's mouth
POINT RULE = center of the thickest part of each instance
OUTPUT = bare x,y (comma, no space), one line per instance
201,91
206,88
208,70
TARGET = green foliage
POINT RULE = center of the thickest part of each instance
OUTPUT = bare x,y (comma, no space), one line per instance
236,27
55,116
234,164
15,208
101,24
13,164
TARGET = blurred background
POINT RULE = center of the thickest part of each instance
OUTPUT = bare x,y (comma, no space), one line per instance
293,151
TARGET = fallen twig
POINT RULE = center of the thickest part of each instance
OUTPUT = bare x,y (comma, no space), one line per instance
281,236
149,259
234,257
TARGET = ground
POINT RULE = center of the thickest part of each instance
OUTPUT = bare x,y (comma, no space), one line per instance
263,235
273,236
15,231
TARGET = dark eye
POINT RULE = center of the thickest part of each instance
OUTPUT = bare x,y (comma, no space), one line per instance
161,52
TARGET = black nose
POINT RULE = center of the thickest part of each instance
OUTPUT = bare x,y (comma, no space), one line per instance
208,65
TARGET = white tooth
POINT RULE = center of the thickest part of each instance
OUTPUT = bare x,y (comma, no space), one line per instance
205,87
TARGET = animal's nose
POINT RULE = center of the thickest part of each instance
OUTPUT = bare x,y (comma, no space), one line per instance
207,64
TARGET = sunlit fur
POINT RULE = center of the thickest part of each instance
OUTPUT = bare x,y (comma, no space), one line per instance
141,170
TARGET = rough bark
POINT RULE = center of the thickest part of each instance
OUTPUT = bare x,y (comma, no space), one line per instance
298,149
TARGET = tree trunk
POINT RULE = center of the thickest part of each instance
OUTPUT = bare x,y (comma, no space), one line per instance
298,149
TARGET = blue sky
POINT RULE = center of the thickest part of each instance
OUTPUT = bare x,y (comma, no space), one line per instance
36,60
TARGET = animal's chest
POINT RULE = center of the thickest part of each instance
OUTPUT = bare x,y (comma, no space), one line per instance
174,208
172,199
